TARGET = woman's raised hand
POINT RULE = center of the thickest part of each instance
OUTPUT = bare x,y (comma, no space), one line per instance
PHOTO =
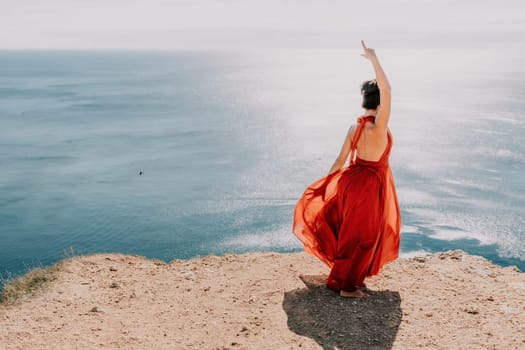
369,53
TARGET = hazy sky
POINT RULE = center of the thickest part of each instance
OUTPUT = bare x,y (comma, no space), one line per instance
200,24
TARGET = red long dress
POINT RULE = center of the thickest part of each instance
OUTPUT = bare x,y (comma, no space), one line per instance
350,219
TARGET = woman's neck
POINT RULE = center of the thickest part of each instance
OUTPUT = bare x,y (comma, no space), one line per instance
370,112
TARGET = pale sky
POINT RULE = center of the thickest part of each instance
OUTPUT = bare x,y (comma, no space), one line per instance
216,24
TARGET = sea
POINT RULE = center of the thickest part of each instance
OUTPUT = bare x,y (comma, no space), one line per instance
181,154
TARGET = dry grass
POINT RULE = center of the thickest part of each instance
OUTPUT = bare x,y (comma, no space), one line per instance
29,283
36,279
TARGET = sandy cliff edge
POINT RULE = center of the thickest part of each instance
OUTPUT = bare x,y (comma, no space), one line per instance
447,300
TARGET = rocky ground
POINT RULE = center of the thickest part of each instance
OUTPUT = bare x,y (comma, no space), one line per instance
268,301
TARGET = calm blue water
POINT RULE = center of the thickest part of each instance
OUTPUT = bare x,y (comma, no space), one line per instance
227,142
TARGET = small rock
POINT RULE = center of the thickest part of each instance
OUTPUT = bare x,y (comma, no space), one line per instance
471,311
112,268
94,309
113,285
456,255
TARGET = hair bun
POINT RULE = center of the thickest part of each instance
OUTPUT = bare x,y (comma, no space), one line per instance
369,87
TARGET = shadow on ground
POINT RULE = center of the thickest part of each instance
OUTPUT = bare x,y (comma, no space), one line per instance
337,323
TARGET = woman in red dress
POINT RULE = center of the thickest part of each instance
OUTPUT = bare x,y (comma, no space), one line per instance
350,219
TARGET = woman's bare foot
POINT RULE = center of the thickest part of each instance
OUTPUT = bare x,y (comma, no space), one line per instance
355,294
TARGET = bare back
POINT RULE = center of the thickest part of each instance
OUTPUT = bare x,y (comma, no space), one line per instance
372,143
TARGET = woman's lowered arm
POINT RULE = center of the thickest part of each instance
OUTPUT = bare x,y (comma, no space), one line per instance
343,154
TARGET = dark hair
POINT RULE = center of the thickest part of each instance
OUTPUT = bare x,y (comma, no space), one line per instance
370,92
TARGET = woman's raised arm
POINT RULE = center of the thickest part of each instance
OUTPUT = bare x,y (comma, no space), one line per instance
383,113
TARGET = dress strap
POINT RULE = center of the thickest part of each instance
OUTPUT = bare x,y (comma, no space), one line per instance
361,122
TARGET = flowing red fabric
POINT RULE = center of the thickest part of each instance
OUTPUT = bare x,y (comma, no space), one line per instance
350,219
